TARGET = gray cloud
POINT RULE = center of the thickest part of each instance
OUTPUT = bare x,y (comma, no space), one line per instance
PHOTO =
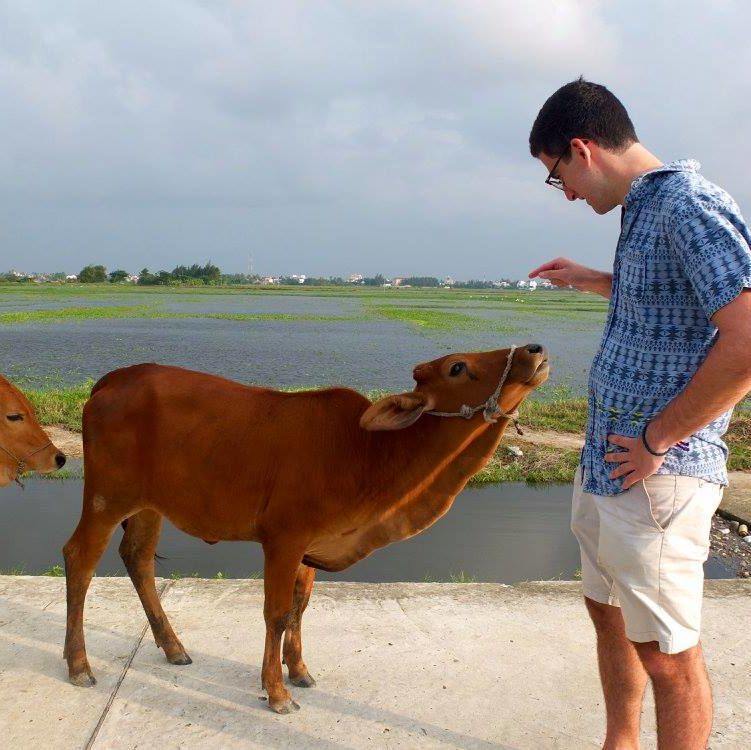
327,137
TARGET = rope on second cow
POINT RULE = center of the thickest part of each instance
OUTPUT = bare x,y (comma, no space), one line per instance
491,409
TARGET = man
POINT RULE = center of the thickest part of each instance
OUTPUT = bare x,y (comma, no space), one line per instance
674,360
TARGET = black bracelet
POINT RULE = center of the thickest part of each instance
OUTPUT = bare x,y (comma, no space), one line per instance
646,444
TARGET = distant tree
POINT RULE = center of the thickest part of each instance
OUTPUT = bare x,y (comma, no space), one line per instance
92,274
118,276
473,284
208,274
145,277
421,281
377,280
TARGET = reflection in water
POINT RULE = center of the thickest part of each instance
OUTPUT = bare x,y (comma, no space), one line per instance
504,533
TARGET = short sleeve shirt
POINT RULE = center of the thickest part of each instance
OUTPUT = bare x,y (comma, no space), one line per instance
683,253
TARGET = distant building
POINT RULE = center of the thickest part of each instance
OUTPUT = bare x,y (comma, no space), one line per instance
397,281
355,278
71,277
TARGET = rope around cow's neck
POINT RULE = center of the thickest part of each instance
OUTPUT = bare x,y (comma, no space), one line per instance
491,409
21,462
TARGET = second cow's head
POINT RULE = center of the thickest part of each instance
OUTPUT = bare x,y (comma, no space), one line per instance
456,380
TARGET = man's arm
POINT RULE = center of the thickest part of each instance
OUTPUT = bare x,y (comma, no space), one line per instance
721,381
564,272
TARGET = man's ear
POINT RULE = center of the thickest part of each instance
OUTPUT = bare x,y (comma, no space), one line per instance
395,412
583,148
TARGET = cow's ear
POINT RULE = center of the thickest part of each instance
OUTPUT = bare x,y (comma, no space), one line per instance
395,412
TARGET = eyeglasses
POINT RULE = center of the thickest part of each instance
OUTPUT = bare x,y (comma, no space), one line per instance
552,179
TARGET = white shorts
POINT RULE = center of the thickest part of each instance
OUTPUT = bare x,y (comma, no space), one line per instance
644,551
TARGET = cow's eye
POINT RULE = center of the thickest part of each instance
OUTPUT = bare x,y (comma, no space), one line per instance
456,369
15,417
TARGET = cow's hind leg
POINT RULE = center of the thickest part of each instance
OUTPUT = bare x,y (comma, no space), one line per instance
298,672
137,550
279,574
81,554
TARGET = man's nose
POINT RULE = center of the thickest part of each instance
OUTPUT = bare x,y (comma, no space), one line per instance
570,194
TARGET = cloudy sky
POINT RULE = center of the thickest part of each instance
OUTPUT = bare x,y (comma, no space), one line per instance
330,138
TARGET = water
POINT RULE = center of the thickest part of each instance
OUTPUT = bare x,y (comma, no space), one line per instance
365,353
504,533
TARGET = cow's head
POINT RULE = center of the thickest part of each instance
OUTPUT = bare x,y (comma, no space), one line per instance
22,441
448,383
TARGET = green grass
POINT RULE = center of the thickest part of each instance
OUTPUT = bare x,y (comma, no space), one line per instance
66,314
255,575
56,571
453,577
558,409
59,475
17,570
538,465
738,439
63,406
427,318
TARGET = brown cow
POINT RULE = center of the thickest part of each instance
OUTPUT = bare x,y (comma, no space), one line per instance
24,445
319,478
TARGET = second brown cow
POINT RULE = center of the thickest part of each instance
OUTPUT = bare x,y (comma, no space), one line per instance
320,478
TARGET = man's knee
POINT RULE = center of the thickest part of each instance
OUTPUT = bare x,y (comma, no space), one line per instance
606,618
668,668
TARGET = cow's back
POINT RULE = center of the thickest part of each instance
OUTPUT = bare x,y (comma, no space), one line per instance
211,454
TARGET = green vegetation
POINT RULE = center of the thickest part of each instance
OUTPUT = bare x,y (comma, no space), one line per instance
539,465
454,577
558,409
256,575
66,314
63,406
16,570
56,571
92,275
181,275
428,318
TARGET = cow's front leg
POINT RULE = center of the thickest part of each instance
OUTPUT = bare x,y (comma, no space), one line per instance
279,573
298,672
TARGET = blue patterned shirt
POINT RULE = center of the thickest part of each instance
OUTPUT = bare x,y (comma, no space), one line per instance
683,254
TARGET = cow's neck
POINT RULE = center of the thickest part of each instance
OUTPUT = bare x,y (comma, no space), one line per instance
425,466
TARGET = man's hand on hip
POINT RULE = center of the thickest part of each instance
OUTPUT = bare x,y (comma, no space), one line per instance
635,461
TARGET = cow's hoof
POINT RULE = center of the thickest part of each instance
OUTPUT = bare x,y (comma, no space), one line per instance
287,706
181,660
82,679
303,680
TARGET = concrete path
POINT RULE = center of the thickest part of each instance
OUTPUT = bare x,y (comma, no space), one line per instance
398,665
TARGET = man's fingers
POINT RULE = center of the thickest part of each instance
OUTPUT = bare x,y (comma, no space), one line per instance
618,457
622,470
551,265
621,440
630,481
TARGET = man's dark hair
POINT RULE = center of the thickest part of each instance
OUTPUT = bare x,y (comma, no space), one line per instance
581,109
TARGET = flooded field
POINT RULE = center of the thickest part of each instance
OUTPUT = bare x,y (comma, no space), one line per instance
366,340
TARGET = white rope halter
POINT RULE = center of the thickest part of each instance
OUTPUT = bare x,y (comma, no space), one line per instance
491,409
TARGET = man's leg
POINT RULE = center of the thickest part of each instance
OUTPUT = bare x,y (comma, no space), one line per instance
622,675
683,697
